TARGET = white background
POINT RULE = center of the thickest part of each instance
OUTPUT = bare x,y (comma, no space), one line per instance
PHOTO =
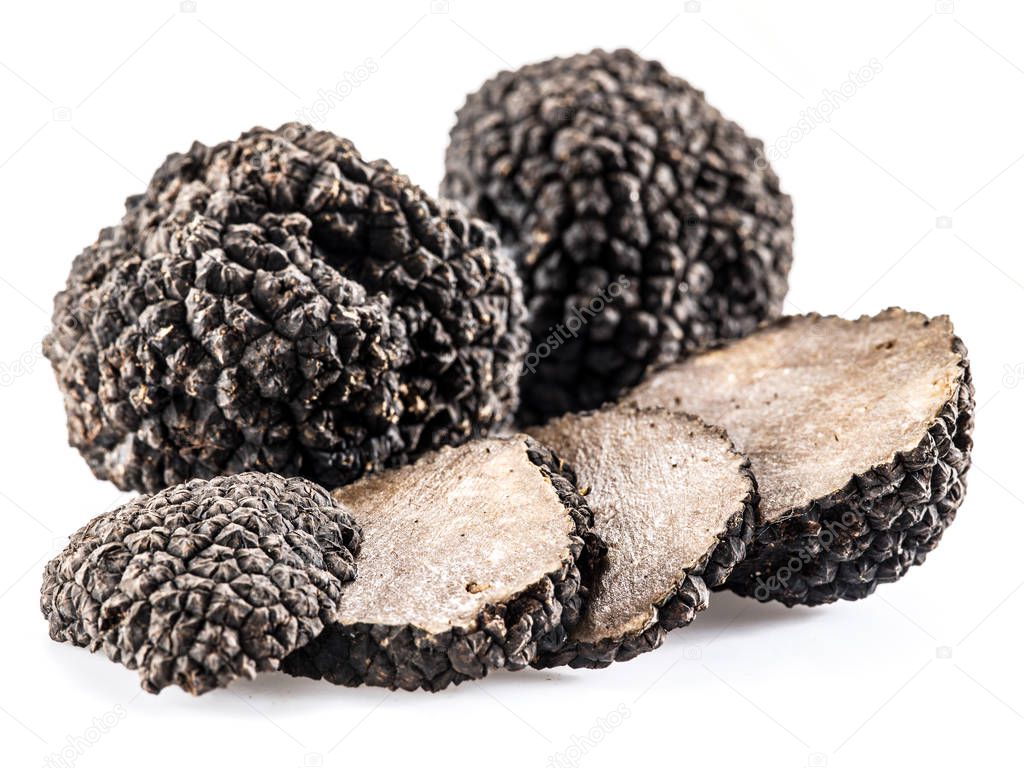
927,671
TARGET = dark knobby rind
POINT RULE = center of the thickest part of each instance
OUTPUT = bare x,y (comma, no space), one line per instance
507,633
206,582
644,223
886,517
634,460
277,303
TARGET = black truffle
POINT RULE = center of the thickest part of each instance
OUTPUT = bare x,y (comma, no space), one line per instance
674,503
475,558
859,434
644,224
277,303
206,582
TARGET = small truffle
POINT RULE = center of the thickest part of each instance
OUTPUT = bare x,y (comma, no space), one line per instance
674,503
206,582
859,434
644,224
475,558
277,303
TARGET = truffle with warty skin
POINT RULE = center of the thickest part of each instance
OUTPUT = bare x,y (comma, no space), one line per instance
206,582
673,502
644,224
859,434
277,303
475,558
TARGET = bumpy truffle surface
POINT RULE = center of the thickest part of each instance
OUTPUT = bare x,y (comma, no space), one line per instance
206,582
859,434
674,503
475,558
277,303
644,224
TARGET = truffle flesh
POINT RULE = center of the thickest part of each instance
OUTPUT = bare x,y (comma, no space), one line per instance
206,582
674,503
472,561
859,434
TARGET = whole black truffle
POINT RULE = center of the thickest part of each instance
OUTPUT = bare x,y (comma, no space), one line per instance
644,224
277,303
475,558
206,582
859,434
674,504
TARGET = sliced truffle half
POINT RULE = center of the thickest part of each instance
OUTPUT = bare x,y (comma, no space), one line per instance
205,582
859,433
471,562
674,503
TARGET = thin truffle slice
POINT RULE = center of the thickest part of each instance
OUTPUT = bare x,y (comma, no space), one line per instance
205,582
472,561
859,433
674,503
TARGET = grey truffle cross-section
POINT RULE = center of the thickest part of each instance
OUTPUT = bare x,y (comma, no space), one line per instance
475,558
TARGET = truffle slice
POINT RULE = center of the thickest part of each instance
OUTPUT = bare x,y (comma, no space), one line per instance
643,222
472,561
859,433
205,582
674,503
278,303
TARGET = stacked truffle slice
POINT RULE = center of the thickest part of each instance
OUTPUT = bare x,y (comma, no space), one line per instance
476,558
674,503
859,434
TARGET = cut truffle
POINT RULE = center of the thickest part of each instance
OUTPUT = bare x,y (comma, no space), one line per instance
859,434
674,503
277,303
472,561
206,582
644,223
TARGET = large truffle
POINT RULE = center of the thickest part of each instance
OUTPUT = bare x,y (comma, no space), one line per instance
206,582
644,223
859,434
475,558
674,503
277,303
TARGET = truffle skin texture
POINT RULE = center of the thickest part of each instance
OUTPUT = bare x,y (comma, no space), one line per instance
276,303
680,607
507,635
206,582
644,224
875,528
